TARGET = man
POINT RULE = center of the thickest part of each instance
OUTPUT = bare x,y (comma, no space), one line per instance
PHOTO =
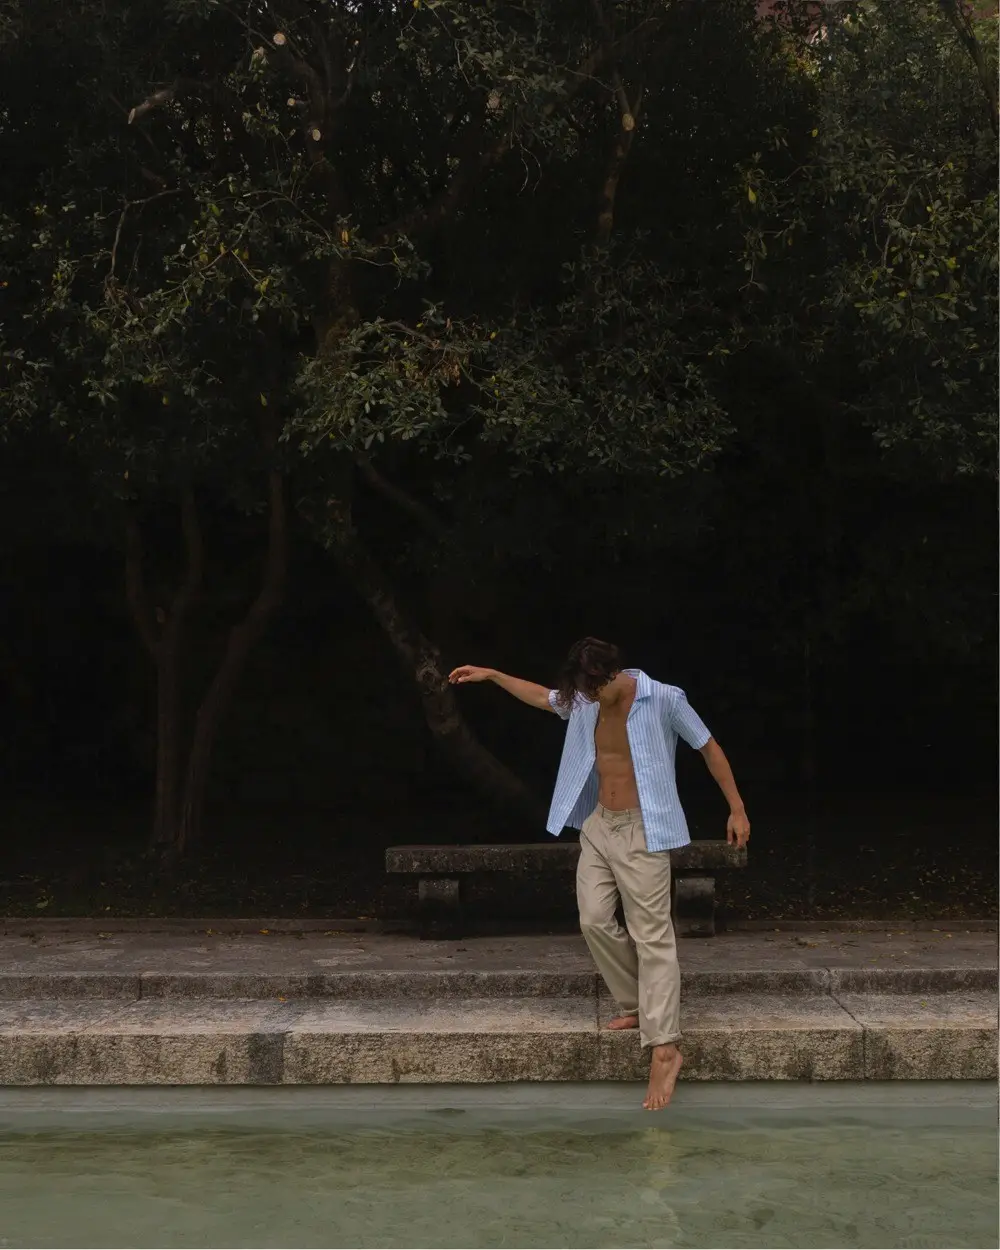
617,785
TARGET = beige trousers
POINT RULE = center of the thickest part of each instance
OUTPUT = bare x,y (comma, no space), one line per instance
639,966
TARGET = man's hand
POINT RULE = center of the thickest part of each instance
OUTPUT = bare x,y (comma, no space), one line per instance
738,829
527,691
470,672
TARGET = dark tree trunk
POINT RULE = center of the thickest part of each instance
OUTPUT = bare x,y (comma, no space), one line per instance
162,633
961,17
168,737
809,769
338,315
181,779
421,660
243,637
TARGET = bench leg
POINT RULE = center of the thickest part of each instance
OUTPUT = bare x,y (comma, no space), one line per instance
694,906
440,907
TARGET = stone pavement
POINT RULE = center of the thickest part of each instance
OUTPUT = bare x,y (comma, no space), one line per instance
205,1008
210,964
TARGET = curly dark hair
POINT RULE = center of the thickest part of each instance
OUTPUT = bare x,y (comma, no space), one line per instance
590,665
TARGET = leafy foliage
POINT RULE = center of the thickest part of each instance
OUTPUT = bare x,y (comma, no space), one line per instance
873,261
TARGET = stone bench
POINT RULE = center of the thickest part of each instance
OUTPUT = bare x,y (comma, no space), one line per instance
440,869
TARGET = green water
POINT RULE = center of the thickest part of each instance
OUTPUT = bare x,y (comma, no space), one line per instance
530,1178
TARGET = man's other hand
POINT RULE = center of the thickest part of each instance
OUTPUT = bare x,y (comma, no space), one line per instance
738,829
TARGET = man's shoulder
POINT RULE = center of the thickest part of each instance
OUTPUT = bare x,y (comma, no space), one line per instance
660,691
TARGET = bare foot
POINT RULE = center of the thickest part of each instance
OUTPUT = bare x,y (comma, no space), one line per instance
664,1070
624,1022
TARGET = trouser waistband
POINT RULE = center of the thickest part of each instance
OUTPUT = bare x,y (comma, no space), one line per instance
626,814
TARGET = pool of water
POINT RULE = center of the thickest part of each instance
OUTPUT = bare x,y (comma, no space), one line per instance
460,1171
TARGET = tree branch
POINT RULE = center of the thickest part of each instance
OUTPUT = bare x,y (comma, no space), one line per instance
195,563
423,663
135,589
959,17
243,637
276,561
403,500
619,154
629,119
478,162
323,95
159,195
176,89
179,89
312,80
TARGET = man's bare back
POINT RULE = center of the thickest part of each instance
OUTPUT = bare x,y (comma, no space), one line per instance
618,791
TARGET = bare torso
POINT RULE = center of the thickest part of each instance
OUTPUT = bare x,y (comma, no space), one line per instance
616,775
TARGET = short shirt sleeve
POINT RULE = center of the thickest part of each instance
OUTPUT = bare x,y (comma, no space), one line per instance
686,722
562,712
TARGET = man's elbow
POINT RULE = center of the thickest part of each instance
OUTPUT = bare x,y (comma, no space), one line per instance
710,749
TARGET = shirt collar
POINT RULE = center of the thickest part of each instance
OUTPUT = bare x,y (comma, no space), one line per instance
643,685
643,690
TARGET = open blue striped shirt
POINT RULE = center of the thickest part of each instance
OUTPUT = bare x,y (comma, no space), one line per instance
658,717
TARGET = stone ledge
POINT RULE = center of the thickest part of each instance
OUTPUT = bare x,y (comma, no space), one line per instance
384,984
913,980
100,926
927,1036
752,1038
516,1045
379,984
402,983
270,954
728,1037
93,926
706,855
16,986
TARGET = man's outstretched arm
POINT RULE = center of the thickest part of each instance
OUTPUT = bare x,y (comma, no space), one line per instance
527,691
738,826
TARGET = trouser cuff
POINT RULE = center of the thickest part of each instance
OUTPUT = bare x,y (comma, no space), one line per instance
667,1040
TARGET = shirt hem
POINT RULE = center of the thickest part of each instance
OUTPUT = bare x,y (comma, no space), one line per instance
674,846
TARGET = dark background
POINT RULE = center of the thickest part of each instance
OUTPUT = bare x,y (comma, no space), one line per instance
870,779
803,538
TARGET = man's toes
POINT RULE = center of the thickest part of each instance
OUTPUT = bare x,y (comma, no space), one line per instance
623,1022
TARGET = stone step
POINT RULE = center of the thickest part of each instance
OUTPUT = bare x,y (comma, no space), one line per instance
728,1037
405,983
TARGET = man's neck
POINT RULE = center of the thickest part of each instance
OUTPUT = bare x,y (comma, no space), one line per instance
616,691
